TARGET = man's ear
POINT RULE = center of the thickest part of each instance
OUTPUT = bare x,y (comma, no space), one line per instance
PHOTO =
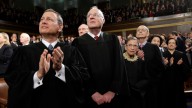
60,27
103,20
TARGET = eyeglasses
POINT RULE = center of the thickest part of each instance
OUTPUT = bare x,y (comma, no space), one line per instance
93,15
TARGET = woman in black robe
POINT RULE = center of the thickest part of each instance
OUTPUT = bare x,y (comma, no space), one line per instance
174,76
136,76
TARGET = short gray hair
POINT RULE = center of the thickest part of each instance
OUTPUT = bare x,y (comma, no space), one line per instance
59,18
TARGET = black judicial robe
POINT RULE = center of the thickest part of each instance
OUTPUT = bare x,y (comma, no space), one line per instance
154,68
105,63
137,84
54,93
173,81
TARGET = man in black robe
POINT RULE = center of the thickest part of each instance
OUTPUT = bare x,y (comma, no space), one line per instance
39,77
102,53
154,68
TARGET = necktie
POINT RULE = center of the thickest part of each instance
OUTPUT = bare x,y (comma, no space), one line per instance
96,37
50,47
140,46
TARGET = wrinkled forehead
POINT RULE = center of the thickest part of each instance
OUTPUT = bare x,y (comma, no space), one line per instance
95,11
49,14
83,26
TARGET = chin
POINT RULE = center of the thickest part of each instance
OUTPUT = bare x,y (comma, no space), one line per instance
94,27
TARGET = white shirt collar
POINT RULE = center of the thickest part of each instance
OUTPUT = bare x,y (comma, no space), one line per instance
47,43
143,44
92,35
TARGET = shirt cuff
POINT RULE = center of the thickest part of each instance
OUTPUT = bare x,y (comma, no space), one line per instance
61,73
36,81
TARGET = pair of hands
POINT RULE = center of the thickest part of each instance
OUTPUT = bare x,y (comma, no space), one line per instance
166,61
105,98
44,63
140,54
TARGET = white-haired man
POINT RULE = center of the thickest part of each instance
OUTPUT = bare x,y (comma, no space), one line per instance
154,68
102,53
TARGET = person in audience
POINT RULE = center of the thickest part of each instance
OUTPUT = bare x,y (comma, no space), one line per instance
104,58
176,73
156,40
46,74
188,44
33,39
164,44
6,52
83,28
154,68
24,39
136,72
14,43
122,42
180,41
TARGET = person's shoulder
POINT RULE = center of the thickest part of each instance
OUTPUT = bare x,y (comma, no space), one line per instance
151,45
67,47
109,34
6,46
179,52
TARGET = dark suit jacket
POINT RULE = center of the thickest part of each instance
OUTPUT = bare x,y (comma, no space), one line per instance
5,55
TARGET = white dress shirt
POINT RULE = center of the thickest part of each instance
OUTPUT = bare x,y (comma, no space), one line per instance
59,74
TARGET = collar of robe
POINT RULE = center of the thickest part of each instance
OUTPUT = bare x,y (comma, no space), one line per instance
127,57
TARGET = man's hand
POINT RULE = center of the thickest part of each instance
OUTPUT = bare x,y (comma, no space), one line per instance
109,96
140,54
57,58
98,98
44,64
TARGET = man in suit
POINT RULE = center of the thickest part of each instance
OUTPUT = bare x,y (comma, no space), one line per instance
180,41
153,66
46,74
102,53
14,43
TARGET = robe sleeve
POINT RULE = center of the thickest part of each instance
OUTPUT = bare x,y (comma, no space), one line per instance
19,78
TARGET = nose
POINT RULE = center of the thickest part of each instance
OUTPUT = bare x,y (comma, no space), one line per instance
132,47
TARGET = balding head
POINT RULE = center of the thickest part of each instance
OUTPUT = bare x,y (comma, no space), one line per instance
83,28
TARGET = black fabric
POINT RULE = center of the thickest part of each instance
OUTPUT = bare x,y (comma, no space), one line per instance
6,52
154,68
173,81
105,63
137,81
54,93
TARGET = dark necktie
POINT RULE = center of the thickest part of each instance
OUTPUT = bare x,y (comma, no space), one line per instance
50,47
96,37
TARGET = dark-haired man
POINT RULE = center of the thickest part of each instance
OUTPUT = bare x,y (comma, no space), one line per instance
46,74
